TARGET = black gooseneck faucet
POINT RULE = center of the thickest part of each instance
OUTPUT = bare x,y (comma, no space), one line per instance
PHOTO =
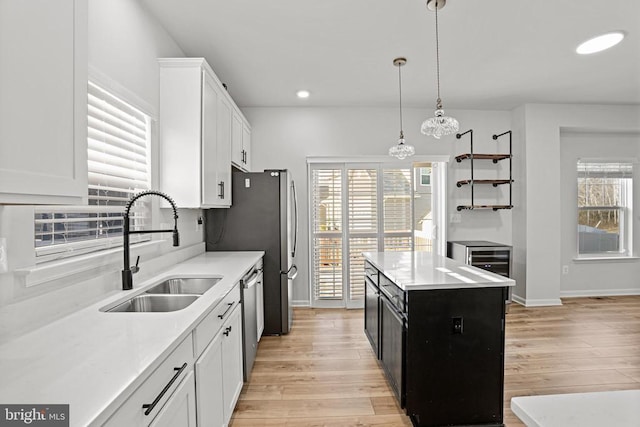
127,273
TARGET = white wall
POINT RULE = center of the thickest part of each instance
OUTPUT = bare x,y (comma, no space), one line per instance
539,243
613,277
124,43
285,137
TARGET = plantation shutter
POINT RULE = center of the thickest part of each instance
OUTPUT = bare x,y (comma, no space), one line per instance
327,233
118,167
363,224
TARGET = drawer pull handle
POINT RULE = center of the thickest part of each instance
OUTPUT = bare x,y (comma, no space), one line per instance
149,407
227,310
226,331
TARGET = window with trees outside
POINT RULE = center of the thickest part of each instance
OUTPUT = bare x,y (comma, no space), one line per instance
604,208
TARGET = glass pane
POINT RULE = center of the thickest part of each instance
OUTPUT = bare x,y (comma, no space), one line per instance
327,268
397,200
598,230
357,245
397,243
422,208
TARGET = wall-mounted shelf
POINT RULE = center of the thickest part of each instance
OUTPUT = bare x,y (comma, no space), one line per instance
495,158
494,182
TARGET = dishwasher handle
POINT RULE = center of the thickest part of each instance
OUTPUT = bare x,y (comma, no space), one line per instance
251,281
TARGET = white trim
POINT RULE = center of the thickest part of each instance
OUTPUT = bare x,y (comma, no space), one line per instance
599,293
116,89
536,302
300,303
518,299
98,261
380,159
606,258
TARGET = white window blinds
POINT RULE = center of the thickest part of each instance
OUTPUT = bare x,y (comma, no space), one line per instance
118,167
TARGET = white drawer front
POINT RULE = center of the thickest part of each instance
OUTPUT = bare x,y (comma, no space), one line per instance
211,324
169,374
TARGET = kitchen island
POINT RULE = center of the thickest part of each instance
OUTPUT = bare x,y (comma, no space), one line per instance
437,328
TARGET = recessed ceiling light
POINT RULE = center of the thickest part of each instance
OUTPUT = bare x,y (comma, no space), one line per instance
600,43
303,94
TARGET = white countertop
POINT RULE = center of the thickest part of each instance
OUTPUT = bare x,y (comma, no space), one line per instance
92,359
597,409
424,270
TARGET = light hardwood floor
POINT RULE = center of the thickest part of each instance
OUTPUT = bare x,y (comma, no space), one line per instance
324,373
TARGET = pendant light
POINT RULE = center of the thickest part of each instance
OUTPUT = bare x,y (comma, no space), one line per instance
440,124
401,150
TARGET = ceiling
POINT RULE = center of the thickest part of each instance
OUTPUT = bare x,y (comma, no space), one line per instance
495,54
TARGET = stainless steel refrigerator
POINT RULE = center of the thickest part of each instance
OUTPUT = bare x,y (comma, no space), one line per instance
263,216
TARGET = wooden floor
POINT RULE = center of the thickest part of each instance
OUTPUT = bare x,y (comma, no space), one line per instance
324,373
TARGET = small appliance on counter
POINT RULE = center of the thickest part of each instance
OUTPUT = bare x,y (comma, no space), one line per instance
490,256
263,217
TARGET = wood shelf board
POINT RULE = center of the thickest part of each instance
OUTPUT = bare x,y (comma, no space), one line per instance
474,207
494,182
494,157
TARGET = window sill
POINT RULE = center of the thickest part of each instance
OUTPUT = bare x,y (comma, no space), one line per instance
605,259
54,270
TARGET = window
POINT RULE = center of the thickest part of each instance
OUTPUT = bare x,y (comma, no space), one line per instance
118,167
356,208
604,208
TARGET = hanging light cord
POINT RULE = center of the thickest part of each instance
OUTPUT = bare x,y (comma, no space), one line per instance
400,87
439,101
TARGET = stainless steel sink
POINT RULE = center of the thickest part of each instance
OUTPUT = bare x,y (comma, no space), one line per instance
155,303
184,286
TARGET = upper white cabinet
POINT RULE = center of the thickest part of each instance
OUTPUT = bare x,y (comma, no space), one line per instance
241,142
195,134
43,101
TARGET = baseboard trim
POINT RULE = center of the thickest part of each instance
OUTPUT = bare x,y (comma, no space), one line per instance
300,303
529,302
599,293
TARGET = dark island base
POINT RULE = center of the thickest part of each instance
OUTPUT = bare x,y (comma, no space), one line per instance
415,424
442,350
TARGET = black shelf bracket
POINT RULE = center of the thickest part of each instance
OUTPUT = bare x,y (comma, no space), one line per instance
495,137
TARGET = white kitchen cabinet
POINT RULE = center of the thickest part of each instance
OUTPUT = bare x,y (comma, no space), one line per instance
241,142
219,369
232,362
195,134
167,385
180,409
209,389
43,106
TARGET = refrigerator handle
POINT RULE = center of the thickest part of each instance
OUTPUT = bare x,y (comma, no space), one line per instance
288,273
295,218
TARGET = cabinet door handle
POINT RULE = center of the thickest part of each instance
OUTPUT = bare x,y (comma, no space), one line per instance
230,304
149,406
221,194
226,331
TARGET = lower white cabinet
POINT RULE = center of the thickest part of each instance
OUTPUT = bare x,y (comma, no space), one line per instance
169,389
180,409
219,373
232,362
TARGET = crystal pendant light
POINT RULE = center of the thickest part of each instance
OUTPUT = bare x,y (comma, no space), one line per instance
440,124
402,150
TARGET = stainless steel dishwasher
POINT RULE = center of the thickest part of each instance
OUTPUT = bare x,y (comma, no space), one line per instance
249,286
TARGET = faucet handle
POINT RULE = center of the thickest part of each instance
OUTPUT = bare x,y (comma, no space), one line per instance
135,268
